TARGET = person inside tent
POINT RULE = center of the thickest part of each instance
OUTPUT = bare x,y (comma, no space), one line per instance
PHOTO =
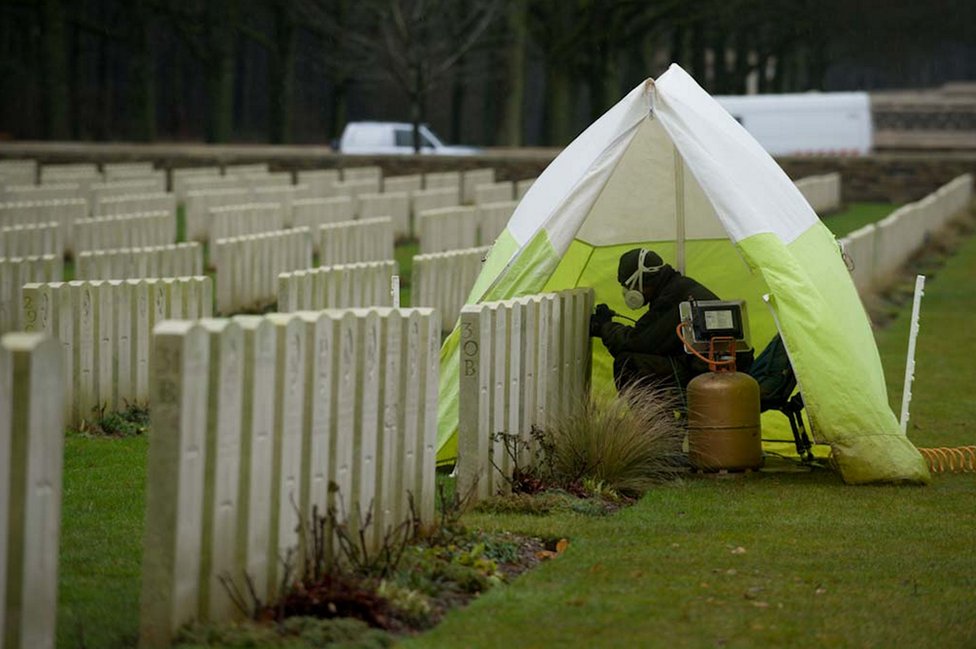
650,350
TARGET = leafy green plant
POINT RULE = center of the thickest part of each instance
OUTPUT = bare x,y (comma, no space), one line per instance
132,420
410,605
389,585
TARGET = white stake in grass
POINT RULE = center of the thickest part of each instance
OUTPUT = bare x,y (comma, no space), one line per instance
395,290
906,396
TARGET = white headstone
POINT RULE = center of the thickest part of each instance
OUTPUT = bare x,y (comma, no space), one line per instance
222,467
253,549
174,484
31,452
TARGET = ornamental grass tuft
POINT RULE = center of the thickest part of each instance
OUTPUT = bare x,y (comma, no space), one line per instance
625,443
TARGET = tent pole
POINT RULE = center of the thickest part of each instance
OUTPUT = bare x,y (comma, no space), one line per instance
679,211
906,395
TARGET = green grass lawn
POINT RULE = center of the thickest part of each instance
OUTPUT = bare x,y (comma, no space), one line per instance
822,564
943,407
101,541
773,560
404,253
856,215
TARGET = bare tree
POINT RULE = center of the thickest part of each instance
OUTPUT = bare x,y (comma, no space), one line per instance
209,32
339,26
55,69
417,42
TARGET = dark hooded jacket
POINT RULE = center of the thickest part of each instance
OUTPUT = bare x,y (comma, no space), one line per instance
651,348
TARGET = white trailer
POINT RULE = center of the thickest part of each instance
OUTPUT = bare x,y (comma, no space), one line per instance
813,123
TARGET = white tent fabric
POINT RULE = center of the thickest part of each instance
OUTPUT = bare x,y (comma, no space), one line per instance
669,168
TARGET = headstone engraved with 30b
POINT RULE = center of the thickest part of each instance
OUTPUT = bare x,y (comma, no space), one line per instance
523,362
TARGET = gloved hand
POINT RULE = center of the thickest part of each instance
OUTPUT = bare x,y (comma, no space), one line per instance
602,315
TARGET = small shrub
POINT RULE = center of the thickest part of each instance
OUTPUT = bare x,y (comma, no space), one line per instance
409,605
599,489
620,445
131,421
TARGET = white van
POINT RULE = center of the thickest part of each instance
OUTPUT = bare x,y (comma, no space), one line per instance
394,138
813,123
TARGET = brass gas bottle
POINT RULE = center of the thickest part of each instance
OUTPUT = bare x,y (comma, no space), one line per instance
723,422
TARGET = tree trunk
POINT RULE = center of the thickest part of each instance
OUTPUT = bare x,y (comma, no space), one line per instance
613,79
417,96
740,69
559,104
339,113
458,92
282,73
780,82
764,83
76,63
103,92
817,65
698,66
143,73
513,117
596,80
220,69
341,80
721,77
55,70
678,46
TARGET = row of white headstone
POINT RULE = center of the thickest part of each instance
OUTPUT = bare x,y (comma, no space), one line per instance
342,286
877,250
248,267
174,260
443,281
31,455
320,196
461,227
31,240
104,329
258,423
199,202
124,231
18,171
524,363
136,204
87,188
356,195
64,212
349,242
15,272
247,218
822,192
68,231
301,207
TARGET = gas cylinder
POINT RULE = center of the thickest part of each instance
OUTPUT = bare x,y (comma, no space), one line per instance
723,422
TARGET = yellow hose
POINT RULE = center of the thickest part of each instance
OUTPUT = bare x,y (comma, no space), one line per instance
959,459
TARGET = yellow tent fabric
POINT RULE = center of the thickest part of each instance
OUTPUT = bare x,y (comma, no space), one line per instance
668,168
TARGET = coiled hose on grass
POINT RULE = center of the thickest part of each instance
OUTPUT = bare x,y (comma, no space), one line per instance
957,459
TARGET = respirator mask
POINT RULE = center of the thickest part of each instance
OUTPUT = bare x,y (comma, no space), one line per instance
634,286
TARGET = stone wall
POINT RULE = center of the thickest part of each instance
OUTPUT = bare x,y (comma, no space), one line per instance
892,177
889,178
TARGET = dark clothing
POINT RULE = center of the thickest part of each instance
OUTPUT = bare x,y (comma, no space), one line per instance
650,350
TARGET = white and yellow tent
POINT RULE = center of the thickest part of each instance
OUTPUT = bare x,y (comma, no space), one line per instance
669,169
